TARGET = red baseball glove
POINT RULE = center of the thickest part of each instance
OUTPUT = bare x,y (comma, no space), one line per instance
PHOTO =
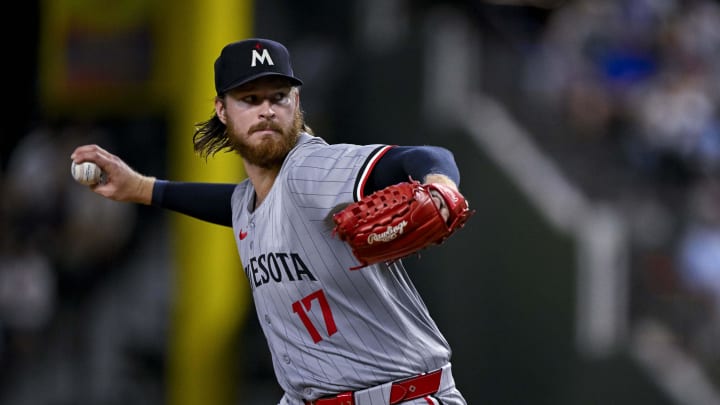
399,220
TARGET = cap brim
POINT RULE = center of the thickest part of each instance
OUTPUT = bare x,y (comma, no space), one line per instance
295,81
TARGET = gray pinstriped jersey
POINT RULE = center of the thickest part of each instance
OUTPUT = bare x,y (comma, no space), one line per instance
329,329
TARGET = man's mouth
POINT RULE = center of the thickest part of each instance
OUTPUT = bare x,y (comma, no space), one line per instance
265,129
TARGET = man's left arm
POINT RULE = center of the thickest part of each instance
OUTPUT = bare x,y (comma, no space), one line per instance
426,164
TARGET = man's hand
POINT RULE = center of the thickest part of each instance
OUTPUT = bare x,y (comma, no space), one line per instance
122,183
437,198
401,220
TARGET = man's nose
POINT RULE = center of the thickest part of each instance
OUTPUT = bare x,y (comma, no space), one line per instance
266,109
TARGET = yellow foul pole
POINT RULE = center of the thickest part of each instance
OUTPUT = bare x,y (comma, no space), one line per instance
211,293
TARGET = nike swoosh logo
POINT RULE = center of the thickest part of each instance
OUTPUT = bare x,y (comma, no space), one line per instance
242,235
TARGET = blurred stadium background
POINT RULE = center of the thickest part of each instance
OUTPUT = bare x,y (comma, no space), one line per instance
588,137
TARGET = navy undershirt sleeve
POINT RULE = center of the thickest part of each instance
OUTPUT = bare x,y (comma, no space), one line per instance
416,162
211,202
205,201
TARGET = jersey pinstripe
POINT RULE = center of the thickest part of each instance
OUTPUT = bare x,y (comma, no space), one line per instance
329,329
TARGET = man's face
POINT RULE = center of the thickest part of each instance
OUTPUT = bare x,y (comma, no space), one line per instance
263,120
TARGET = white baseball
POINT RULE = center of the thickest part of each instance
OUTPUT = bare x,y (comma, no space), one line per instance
87,173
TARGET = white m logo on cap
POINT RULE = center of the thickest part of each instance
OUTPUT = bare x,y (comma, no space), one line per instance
265,56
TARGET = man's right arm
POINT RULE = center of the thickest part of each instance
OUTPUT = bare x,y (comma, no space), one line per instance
205,201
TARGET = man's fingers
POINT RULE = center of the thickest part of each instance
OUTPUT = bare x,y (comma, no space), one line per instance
440,204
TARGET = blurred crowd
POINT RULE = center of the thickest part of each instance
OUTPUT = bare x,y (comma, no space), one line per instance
73,312
635,82
623,93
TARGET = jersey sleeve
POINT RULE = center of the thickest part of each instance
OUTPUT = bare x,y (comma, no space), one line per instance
323,177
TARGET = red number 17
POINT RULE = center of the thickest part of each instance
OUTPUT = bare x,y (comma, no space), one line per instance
301,310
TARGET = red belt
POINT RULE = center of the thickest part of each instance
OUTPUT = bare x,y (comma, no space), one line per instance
403,390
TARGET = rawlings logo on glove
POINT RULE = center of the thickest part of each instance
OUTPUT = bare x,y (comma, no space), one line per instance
400,220
391,233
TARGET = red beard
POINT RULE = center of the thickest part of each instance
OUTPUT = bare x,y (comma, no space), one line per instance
271,152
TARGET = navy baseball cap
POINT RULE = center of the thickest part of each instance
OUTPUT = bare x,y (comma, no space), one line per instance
243,61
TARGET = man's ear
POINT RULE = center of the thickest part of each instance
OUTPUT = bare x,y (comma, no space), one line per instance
297,95
220,109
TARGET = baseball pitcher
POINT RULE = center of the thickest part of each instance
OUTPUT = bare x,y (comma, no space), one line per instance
321,230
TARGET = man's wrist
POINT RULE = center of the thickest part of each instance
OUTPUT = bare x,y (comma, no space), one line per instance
440,178
145,189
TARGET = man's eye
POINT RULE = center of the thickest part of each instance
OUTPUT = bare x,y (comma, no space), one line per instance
250,99
280,97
